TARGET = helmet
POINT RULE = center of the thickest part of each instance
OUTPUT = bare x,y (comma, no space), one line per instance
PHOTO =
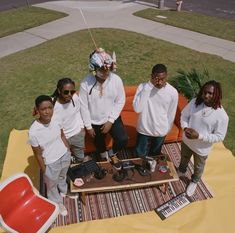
98,59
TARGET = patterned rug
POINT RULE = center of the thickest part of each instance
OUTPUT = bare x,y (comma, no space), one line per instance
114,204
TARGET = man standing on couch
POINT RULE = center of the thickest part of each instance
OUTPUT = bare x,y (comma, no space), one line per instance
102,98
156,102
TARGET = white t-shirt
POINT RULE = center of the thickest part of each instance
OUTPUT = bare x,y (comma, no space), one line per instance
211,125
104,103
69,115
157,108
48,137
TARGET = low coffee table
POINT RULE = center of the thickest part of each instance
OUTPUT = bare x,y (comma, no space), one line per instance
135,180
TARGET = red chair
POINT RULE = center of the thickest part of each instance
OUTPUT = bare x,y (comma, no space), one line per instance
22,208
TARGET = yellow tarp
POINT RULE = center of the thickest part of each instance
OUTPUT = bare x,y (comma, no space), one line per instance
212,216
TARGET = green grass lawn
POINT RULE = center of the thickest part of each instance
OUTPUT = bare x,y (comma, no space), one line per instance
20,19
35,71
212,26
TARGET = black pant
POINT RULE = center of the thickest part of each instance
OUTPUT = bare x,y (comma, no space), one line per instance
118,134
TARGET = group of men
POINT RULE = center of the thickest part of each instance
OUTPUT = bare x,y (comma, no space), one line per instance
96,110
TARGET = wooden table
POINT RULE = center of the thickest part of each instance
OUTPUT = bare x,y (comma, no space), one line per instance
93,185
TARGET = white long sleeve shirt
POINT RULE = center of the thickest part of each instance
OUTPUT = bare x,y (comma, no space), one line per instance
104,102
69,115
211,125
157,108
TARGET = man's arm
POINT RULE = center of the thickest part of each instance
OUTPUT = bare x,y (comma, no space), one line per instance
141,96
38,154
85,114
219,133
185,115
64,140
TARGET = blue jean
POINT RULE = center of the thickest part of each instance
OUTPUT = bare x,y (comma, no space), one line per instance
148,145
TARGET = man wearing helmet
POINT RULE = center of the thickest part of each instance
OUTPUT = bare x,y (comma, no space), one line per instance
102,100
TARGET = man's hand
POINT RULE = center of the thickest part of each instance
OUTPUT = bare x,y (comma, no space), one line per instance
106,127
191,133
91,132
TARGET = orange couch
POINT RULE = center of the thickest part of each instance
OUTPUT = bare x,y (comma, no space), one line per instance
129,118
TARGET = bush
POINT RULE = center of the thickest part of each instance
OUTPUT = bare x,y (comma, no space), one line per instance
189,83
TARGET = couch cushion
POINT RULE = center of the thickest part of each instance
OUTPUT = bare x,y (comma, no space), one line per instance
172,136
130,120
130,93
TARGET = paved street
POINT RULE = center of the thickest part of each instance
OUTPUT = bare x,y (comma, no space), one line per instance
219,8
112,14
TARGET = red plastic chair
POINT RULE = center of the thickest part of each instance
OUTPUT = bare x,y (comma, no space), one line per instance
22,208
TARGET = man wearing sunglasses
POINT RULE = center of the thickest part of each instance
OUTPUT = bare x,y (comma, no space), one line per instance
102,98
67,110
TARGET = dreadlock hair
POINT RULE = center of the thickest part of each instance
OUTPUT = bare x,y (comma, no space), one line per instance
217,96
60,85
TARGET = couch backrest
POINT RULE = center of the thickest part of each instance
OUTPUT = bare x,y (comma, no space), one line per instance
130,94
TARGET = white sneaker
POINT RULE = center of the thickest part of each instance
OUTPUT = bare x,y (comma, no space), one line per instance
104,155
191,188
63,210
69,195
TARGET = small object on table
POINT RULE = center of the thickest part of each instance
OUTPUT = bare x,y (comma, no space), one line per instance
163,169
78,182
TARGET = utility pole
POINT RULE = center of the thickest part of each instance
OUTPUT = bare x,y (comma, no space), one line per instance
27,2
160,4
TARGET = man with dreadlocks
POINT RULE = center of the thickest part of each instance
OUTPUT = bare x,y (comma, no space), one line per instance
102,100
67,111
204,122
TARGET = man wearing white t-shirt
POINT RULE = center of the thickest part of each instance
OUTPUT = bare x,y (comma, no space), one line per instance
156,102
102,98
67,111
51,150
204,122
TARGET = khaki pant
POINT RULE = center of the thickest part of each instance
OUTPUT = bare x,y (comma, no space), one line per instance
199,162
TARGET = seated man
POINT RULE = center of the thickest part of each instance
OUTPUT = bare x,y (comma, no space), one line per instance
102,99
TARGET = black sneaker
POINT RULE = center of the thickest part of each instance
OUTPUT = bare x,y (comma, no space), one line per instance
116,163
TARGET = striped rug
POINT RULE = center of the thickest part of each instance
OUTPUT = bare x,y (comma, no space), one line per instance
114,204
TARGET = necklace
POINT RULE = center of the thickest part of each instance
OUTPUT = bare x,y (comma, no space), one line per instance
206,111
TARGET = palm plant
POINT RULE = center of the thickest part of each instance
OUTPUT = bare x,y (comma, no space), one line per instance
189,83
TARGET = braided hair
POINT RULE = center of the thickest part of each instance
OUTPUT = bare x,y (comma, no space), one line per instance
217,96
60,85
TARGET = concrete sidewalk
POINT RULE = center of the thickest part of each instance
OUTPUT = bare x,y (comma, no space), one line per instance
112,14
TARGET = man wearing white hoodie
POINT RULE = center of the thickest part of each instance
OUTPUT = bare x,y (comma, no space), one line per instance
204,122
156,102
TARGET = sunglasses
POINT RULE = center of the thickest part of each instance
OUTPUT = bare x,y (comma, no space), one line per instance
66,92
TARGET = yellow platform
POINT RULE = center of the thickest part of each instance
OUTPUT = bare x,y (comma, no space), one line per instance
211,216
